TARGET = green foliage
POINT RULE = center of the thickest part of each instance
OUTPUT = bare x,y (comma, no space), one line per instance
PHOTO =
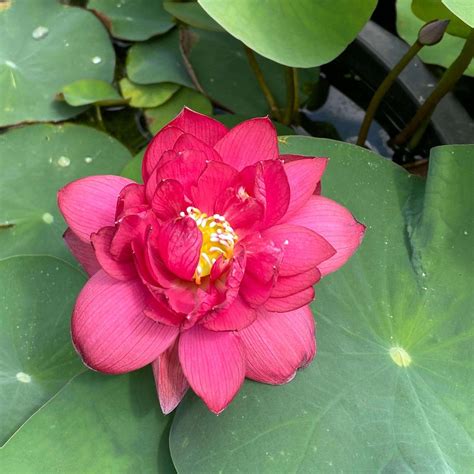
37,160
429,10
444,53
302,33
192,14
463,9
158,60
94,424
133,20
389,390
37,358
90,91
148,95
44,46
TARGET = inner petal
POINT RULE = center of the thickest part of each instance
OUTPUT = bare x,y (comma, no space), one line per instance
218,239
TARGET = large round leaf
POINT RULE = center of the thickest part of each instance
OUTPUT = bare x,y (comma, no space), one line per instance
97,423
389,390
44,46
36,161
302,33
36,357
134,20
158,60
443,53
228,79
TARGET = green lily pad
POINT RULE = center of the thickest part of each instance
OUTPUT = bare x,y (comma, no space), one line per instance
37,357
390,389
158,60
463,9
158,117
96,423
443,53
148,95
302,34
133,20
90,91
429,10
228,79
36,161
192,14
46,45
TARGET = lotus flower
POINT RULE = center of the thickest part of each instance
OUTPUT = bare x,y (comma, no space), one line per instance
207,269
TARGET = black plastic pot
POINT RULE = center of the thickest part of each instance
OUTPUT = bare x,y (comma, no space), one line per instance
361,68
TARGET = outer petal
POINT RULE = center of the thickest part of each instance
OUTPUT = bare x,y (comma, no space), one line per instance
121,270
180,246
90,203
213,363
336,224
171,384
109,329
163,141
238,316
249,142
303,249
277,344
201,126
82,251
291,302
286,286
303,175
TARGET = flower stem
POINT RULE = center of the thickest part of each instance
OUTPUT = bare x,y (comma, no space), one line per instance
275,111
100,120
446,83
292,95
383,89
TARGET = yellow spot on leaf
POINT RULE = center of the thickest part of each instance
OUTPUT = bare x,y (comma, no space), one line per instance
400,356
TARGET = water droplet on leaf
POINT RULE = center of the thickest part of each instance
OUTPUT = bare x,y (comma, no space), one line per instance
64,161
40,32
96,59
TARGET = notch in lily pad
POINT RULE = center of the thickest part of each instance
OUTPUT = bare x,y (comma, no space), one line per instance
90,91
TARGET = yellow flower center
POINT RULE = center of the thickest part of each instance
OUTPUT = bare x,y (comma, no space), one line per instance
218,239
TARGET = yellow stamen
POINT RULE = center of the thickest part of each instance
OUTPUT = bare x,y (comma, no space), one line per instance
218,239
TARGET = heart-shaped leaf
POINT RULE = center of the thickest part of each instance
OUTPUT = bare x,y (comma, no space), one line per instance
306,33
37,357
37,160
389,390
44,46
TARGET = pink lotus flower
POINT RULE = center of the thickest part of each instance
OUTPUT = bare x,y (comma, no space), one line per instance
205,271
